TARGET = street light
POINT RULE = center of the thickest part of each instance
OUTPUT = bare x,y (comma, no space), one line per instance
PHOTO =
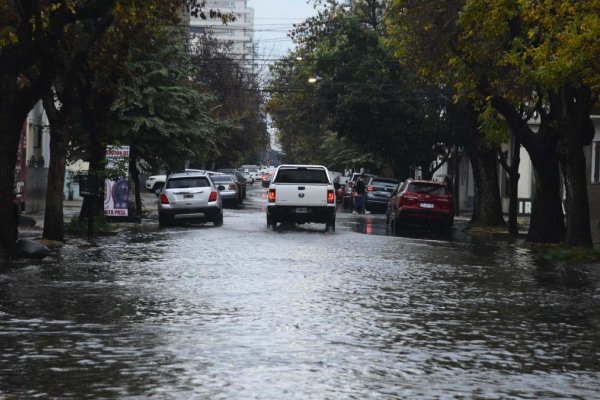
312,79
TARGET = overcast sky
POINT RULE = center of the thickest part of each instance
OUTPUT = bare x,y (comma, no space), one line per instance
273,19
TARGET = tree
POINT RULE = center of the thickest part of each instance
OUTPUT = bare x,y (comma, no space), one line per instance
31,33
523,58
361,92
162,114
239,102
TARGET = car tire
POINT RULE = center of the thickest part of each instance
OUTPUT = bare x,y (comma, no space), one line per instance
157,186
330,225
164,220
271,223
396,226
218,221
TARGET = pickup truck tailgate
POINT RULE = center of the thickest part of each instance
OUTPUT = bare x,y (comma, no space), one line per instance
289,194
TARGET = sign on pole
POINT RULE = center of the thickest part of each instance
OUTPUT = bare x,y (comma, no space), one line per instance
116,193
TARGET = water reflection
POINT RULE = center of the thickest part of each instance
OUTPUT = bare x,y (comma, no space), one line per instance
243,312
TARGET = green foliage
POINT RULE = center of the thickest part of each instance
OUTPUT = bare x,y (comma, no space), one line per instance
160,111
493,126
243,137
362,93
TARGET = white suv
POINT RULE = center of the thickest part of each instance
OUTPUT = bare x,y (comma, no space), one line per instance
190,196
155,182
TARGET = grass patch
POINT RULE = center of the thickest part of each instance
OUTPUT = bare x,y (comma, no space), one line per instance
576,255
101,226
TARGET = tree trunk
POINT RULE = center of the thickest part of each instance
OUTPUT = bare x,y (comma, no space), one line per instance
513,188
487,211
547,222
9,144
53,216
577,207
573,106
97,154
135,177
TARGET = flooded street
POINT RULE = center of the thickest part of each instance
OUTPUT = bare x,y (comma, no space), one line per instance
242,312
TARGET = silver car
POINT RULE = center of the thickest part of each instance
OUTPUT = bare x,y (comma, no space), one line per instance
228,188
189,196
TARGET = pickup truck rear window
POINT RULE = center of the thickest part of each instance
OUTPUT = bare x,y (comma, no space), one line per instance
301,175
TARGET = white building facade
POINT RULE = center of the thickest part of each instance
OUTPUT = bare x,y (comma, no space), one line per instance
239,34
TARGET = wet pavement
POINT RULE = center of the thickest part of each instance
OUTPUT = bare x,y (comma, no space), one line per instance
241,312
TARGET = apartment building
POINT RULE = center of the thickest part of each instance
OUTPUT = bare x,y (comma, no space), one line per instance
239,33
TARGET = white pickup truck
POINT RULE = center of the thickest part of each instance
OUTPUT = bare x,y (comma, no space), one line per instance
300,194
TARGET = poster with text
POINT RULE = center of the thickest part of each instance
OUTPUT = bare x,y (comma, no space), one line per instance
116,193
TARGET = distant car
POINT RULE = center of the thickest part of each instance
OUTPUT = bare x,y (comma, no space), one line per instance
421,202
379,192
251,173
266,179
228,187
189,196
239,177
155,182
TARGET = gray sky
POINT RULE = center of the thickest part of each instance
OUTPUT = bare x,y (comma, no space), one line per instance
273,19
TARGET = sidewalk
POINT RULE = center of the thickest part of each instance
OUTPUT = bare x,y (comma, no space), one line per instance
71,209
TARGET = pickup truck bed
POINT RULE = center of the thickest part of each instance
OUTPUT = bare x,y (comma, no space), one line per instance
301,194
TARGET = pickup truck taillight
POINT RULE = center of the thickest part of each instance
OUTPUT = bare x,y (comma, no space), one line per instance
213,196
163,199
330,196
272,196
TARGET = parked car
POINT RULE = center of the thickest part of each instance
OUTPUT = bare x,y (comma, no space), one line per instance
379,192
421,202
228,187
189,196
340,189
155,182
239,177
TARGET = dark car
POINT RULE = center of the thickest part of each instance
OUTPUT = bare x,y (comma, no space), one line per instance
421,202
379,192
239,178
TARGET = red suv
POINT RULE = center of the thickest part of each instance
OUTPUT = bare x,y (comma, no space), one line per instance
421,202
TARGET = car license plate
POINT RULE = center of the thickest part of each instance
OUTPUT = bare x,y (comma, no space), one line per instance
426,205
301,210
188,196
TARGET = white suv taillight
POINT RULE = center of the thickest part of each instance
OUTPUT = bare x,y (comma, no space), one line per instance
164,199
213,196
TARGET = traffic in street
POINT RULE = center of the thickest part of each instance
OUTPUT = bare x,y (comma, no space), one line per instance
243,311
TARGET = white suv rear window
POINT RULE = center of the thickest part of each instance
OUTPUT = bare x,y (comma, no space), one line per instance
188,182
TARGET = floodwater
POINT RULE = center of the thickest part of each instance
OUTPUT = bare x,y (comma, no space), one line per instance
241,312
